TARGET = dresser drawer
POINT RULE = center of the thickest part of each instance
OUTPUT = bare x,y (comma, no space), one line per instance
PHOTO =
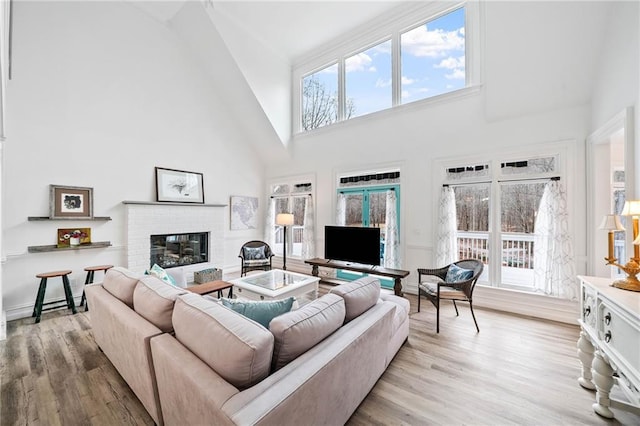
620,335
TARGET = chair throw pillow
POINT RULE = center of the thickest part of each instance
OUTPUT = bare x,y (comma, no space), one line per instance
456,274
254,253
261,312
158,272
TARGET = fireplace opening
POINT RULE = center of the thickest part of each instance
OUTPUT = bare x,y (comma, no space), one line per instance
172,250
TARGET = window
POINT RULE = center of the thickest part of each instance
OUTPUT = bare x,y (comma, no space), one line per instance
496,210
320,98
290,198
433,57
419,54
368,81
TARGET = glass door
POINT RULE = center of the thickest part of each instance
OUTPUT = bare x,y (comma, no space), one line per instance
367,207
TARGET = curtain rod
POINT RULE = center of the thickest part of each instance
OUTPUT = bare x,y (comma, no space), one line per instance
446,185
388,189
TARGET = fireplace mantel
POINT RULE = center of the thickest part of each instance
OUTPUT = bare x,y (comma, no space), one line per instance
157,203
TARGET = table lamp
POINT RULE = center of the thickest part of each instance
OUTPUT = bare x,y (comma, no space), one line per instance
284,220
611,223
631,282
632,208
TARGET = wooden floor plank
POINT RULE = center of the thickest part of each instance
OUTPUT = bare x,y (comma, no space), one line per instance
516,371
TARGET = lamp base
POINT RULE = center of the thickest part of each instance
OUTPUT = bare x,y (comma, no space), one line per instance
630,283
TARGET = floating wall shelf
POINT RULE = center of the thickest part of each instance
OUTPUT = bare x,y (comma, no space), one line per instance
37,218
53,247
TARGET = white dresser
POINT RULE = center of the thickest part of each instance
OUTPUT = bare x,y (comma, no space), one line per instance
609,343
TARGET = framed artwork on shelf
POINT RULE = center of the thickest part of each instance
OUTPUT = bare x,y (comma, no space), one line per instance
178,186
244,212
70,237
70,202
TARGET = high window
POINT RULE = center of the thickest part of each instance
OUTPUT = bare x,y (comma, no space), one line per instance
417,56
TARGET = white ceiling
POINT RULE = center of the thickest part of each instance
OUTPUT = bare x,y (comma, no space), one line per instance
294,28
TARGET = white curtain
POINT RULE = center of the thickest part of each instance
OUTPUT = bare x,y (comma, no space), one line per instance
341,210
270,224
308,232
447,239
392,242
554,269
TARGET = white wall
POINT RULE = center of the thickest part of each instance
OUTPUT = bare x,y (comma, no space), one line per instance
101,94
617,84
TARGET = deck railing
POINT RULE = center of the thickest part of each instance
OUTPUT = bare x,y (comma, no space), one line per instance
517,248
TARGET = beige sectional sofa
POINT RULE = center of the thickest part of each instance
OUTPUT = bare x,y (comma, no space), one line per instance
190,360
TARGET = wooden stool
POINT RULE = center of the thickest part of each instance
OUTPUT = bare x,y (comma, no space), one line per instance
90,273
37,309
210,287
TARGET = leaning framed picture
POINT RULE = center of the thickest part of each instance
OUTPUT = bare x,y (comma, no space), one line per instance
178,186
70,202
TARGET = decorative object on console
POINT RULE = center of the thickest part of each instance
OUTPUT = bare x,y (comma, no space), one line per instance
631,268
284,220
611,223
70,202
632,208
179,186
244,213
69,237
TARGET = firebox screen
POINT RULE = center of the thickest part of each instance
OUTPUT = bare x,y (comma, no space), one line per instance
173,250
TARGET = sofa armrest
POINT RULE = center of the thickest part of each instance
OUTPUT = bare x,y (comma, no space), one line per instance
190,391
328,382
123,336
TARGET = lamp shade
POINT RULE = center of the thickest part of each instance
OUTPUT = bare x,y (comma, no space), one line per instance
611,222
631,208
284,219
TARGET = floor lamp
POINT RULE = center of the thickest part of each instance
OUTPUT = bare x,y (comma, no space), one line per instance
284,220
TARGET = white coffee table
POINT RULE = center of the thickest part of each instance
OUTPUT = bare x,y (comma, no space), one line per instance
276,285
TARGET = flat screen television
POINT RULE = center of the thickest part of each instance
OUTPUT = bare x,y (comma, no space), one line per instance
352,244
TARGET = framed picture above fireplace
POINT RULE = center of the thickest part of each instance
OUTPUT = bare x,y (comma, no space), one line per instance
179,186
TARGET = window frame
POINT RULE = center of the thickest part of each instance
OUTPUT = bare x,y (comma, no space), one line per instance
290,196
390,26
563,152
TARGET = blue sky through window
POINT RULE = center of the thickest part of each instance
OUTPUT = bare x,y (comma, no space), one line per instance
433,57
368,79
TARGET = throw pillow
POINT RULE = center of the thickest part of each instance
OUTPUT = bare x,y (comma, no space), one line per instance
456,274
261,312
254,253
158,272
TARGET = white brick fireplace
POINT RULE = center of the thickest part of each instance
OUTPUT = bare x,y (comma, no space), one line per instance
146,218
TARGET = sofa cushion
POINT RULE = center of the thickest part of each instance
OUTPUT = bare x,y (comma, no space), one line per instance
298,331
358,295
235,347
261,312
153,299
121,282
159,272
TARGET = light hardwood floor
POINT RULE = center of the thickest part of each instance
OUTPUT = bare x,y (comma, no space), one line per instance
516,371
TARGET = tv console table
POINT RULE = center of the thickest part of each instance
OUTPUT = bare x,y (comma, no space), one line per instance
396,274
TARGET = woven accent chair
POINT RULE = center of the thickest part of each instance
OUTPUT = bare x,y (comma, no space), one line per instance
255,255
432,283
